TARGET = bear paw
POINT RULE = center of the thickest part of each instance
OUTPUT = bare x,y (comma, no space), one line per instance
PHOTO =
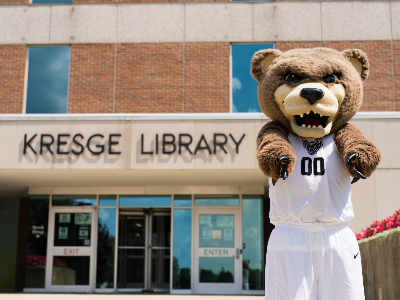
277,163
362,161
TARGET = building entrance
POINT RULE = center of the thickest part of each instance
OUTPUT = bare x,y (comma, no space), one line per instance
144,241
71,249
218,258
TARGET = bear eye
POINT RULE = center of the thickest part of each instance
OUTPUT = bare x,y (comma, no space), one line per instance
293,78
331,78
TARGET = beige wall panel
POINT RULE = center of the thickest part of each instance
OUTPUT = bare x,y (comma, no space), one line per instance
288,21
161,161
218,22
141,23
245,159
94,190
252,190
356,21
7,148
87,160
83,24
21,24
395,7
215,190
258,125
40,190
387,192
365,125
386,134
364,205
46,160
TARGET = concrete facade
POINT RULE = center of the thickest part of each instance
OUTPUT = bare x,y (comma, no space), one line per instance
200,22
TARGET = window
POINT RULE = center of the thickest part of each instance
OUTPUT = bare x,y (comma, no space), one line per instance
244,87
48,76
35,274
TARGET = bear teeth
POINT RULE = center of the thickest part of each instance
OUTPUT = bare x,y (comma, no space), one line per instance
304,125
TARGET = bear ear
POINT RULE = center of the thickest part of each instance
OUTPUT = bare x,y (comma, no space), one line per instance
359,60
261,61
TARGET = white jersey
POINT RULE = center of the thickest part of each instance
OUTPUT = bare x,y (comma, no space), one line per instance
319,188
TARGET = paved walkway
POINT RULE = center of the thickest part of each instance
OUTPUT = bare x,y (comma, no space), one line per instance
26,296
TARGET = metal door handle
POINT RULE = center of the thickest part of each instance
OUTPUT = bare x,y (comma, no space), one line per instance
237,253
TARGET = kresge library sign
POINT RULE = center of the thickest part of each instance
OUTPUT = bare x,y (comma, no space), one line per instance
129,144
97,144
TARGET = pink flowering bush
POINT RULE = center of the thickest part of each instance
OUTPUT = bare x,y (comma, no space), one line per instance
40,260
35,260
376,227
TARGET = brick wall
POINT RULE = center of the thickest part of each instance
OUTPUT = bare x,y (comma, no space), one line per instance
154,77
207,79
5,2
12,76
378,88
396,59
91,88
149,78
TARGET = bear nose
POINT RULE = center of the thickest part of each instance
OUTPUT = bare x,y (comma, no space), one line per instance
312,94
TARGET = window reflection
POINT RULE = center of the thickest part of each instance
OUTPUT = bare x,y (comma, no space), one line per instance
160,259
244,87
182,200
67,200
161,228
216,200
105,200
253,254
145,201
71,270
131,268
37,242
106,248
132,230
48,76
73,229
217,269
182,248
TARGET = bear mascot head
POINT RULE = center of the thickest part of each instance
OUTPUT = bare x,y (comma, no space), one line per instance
311,93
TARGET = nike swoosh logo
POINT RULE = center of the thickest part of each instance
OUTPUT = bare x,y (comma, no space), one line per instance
356,255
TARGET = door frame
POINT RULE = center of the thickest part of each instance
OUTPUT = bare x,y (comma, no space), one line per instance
147,247
53,250
215,288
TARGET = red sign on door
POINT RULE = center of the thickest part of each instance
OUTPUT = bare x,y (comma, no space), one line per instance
68,251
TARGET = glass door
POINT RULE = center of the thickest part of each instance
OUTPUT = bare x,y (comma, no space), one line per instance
217,251
144,242
71,249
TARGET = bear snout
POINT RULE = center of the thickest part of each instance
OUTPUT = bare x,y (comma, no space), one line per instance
312,94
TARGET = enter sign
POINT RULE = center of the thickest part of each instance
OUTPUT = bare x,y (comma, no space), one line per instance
217,252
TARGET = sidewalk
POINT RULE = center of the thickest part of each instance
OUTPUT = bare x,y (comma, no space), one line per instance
27,296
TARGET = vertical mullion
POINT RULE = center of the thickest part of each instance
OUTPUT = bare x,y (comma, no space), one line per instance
116,247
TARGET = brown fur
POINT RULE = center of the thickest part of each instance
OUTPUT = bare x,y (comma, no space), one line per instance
349,139
272,143
269,68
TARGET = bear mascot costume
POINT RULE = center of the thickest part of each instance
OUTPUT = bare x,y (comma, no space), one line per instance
312,156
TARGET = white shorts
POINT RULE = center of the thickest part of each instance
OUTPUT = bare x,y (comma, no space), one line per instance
313,262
